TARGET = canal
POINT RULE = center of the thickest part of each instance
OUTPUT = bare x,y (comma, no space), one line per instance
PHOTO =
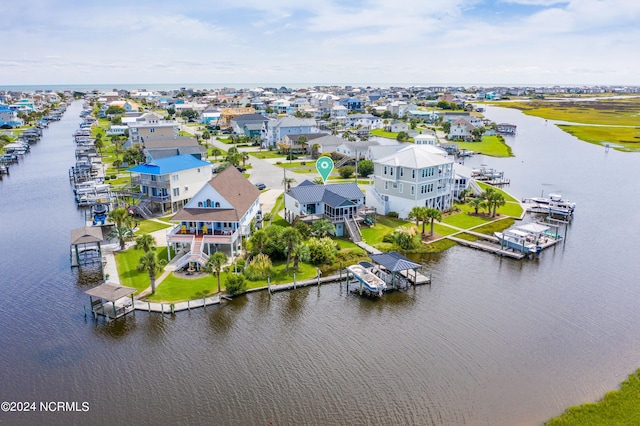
492,341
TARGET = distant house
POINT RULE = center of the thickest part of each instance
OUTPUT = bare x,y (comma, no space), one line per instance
355,149
415,175
155,148
325,144
151,126
461,129
369,121
352,104
211,116
425,139
292,143
216,219
338,202
274,130
398,126
115,129
167,184
248,124
339,112
9,117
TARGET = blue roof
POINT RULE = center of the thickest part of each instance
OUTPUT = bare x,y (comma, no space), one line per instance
394,261
163,166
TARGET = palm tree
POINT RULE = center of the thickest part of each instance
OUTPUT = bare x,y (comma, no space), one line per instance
122,234
120,217
303,141
498,201
322,228
487,196
215,152
432,214
149,262
476,203
257,241
146,242
290,237
245,157
214,264
287,183
417,213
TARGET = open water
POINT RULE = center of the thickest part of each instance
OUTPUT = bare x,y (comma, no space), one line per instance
492,341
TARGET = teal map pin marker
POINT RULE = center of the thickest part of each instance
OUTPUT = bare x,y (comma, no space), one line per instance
324,166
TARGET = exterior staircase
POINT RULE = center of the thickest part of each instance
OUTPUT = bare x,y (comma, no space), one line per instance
353,229
344,160
194,255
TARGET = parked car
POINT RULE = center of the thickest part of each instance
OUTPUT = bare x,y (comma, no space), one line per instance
261,186
241,169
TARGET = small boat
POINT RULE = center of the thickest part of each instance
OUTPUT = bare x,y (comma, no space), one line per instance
99,213
554,204
518,240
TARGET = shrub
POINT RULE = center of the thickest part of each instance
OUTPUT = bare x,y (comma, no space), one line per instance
106,178
114,177
278,163
303,163
259,268
322,250
346,172
393,215
235,284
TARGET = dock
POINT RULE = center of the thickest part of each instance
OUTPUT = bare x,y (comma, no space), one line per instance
497,249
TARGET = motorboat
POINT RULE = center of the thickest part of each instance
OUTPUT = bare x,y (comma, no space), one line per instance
518,240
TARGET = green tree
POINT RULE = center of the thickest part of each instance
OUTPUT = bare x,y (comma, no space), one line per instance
214,264
146,242
303,141
322,228
206,135
215,152
365,167
235,284
346,171
245,157
257,241
115,110
133,155
477,203
446,127
497,201
402,137
488,198
287,183
419,213
149,262
432,215
477,133
99,142
290,237
259,267
120,217
122,234
322,250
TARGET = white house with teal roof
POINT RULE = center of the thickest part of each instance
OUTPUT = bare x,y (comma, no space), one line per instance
167,184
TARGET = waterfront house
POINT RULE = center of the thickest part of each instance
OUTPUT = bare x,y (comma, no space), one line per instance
167,184
338,203
155,148
9,117
217,218
461,129
151,126
426,139
415,175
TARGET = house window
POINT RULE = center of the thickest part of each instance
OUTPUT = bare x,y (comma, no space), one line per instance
186,189
384,171
176,192
386,185
217,204
413,173
413,190
401,171
200,204
208,203
391,171
400,188
151,130
175,177
198,170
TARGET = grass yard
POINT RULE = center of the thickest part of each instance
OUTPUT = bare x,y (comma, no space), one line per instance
496,226
465,220
268,154
618,407
148,226
383,134
384,225
175,289
619,138
127,262
493,146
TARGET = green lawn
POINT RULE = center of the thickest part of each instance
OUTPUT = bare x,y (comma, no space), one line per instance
619,138
465,220
268,154
148,226
127,262
495,226
384,134
618,407
493,146
174,289
507,196
373,235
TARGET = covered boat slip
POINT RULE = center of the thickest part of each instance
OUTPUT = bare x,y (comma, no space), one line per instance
111,300
85,247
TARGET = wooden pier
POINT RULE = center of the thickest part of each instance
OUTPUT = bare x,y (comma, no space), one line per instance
491,248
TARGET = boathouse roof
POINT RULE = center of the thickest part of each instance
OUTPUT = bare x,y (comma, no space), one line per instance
394,261
86,235
110,292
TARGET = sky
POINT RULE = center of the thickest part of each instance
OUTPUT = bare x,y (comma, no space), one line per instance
363,42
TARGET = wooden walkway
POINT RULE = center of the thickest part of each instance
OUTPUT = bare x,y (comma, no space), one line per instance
169,308
488,248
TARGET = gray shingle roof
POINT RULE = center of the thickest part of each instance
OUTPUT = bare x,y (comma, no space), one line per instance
333,195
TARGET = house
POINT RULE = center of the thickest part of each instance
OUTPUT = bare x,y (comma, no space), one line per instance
415,175
216,219
9,117
355,149
151,125
325,144
167,184
398,126
211,116
338,112
368,121
461,129
293,142
352,104
426,139
155,148
116,129
248,124
338,203
273,130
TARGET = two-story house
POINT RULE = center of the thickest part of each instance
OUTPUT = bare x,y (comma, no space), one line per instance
167,184
151,126
415,175
461,129
273,130
216,219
